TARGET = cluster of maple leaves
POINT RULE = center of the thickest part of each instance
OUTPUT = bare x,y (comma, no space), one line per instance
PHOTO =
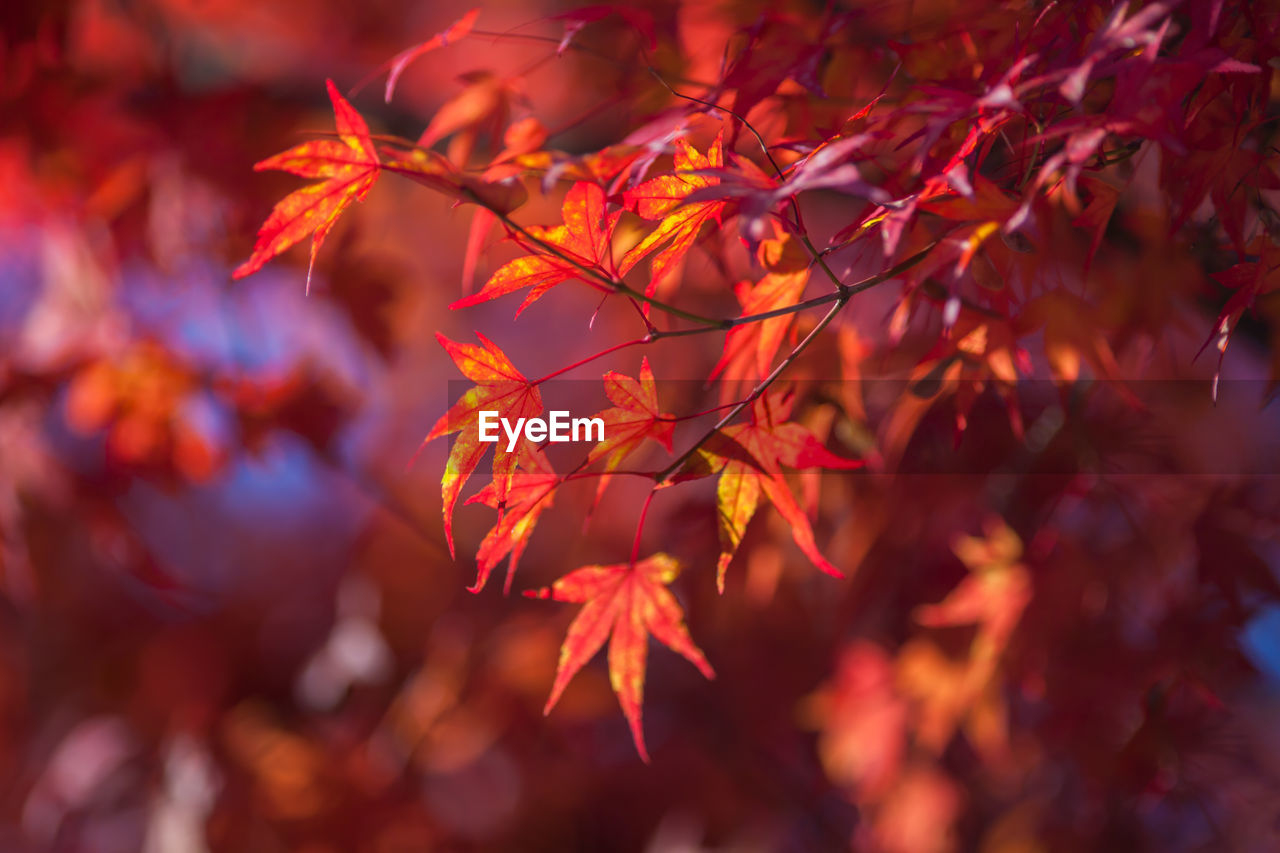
968,176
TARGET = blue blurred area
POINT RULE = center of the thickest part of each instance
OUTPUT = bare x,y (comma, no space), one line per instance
1261,642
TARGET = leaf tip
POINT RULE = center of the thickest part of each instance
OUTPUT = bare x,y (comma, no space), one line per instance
722,567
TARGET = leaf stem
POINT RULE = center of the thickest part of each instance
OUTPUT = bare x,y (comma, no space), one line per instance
795,206
644,511
609,282
761,387
553,374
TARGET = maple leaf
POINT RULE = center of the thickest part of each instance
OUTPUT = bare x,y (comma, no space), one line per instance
863,721
434,171
993,598
749,349
665,198
829,166
623,603
980,349
994,594
1116,33
776,50
531,492
499,387
574,20
634,417
1071,333
1249,280
455,31
608,167
349,167
749,458
482,106
585,238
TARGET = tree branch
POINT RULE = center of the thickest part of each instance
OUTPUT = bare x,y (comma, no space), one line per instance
662,476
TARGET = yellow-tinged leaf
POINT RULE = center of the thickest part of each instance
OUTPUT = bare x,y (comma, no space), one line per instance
531,492
737,495
662,198
750,458
750,349
634,417
499,387
584,240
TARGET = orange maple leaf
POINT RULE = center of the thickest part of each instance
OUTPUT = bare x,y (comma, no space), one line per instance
663,198
749,349
946,691
634,417
481,107
349,166
750,457
625,604
499,387
585,238
531,492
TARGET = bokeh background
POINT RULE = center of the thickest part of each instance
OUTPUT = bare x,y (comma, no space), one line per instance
227,617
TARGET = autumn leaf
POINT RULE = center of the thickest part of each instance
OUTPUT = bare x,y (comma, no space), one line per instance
499,387
750,457
737,496
455,31
531,492
663,198
482,106
1072,333
946,691
624,604
520,139
609,167
634,417
749,349
993,595
349,167
638,19
862,721
830,166
432,170
585,239
1249,280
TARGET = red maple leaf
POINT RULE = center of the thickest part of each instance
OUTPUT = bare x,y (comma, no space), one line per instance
349,167
664,198
624,604
531,492
749,349
499,387
634,417
455,31
750,458
584,240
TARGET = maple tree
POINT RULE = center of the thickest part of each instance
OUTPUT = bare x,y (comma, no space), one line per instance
935,346
701,188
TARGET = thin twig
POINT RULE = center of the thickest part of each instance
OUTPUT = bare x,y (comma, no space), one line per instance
661,476
803,233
